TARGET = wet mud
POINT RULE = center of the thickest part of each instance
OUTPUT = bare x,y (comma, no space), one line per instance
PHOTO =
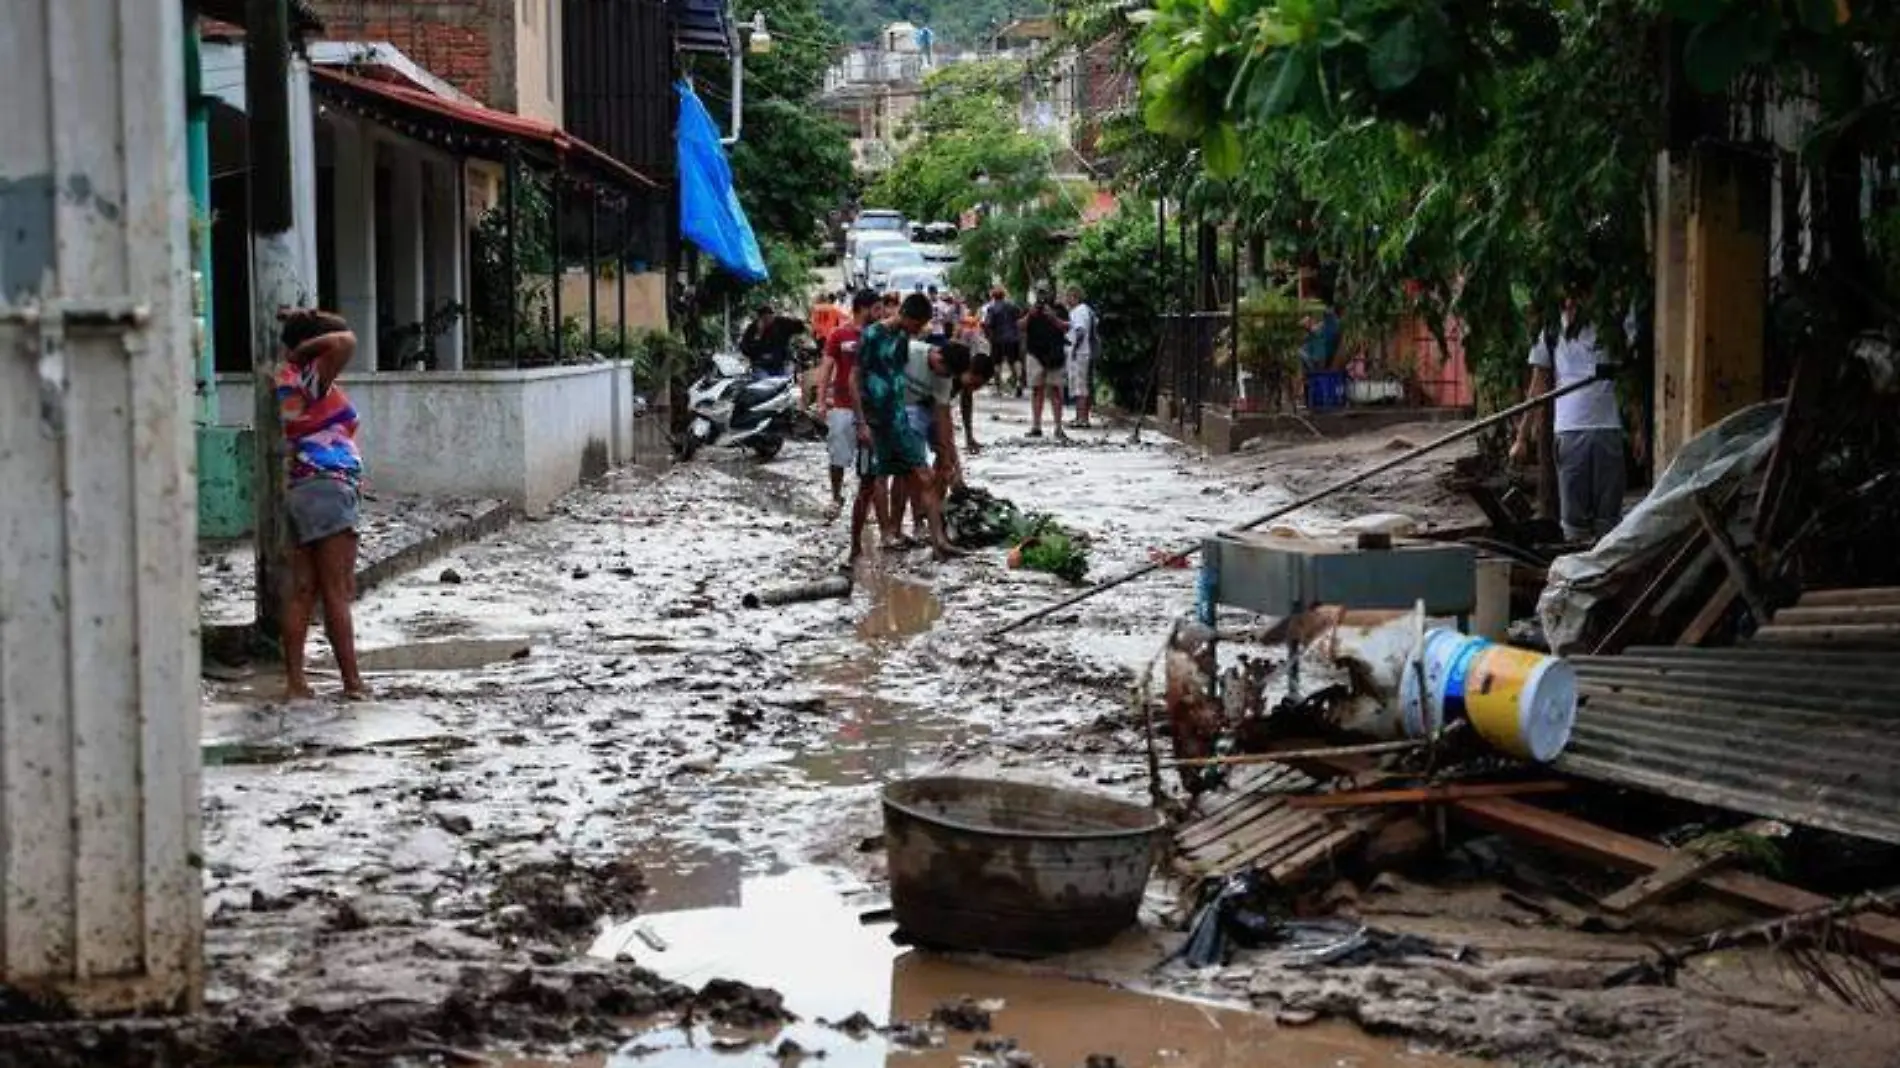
532,858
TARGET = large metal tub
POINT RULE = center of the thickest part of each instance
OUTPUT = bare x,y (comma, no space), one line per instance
1013,869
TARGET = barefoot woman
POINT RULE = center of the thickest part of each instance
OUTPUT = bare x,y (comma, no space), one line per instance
325,467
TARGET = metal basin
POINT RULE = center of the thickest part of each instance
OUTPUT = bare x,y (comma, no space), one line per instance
1013,869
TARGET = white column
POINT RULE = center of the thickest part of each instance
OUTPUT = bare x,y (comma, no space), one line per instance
448,251
353,222
407,250
303,170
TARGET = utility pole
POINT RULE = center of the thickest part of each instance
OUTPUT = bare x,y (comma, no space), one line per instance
274,284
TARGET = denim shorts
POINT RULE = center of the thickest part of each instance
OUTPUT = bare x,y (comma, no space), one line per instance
321,508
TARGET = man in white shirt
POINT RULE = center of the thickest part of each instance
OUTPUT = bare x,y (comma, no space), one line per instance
1590,448
1083,344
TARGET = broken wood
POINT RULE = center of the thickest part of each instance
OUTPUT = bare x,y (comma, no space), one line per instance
1740,571
1577,837
1619,635
1712,612
1239,759
1690,866
1420,795
1665,964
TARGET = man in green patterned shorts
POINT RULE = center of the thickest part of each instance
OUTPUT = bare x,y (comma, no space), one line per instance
890,447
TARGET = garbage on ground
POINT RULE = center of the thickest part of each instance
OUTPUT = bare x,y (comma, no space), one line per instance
1241,912
975,518
825,589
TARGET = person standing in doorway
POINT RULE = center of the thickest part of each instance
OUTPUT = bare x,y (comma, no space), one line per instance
834,393
1083,344
1045,332
1002,325
325,469
1590,444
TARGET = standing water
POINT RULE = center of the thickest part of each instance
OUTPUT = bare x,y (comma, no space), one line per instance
801,934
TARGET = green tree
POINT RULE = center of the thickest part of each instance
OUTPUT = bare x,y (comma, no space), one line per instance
965,147
1113,262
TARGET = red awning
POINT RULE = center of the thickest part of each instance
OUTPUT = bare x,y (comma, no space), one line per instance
406,108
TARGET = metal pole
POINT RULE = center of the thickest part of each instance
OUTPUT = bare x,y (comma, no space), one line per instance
198,172
274,285
511,260
560,272
1316,496
593,267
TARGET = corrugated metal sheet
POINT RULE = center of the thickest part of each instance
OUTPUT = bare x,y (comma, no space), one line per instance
1802,724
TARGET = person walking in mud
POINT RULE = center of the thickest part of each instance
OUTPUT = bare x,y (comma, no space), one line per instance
1083,346
834,393
935,375
325,469
1045,331
1002,325
889,446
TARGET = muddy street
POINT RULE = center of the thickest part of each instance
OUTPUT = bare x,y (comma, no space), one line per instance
577,723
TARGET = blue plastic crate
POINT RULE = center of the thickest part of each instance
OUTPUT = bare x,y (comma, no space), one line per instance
1325,390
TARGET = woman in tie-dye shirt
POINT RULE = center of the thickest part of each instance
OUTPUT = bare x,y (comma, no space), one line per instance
324,468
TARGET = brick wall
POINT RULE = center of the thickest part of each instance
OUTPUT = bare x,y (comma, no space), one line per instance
467,43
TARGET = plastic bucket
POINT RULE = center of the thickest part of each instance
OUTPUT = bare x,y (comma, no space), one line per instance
1427,677
1521,702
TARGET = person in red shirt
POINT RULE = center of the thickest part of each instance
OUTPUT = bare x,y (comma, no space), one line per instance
834,394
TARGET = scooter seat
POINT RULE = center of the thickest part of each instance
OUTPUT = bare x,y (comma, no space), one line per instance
762,389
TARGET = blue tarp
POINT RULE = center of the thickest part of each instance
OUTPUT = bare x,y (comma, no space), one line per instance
710,215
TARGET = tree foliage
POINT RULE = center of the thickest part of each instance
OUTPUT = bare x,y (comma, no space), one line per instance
965,147
1113,262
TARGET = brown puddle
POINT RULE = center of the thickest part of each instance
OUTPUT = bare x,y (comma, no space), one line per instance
800,934
900,608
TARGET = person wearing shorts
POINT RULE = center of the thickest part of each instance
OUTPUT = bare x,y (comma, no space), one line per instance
1083,346
1045,331
1002,325
896,451
325,469
834,393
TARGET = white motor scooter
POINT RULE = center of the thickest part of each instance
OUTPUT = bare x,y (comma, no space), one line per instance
733,407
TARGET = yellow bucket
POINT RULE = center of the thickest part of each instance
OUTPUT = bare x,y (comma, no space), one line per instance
1521,702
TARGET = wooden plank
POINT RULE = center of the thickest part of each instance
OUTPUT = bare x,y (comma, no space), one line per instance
1705,621
1274,824
1200,834
1301,864
1292,838
1577,837
1417,795
1689,866
1871,596
1740,571
1693,545
1240,793
1802,615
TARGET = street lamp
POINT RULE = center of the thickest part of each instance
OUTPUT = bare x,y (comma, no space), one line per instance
761,40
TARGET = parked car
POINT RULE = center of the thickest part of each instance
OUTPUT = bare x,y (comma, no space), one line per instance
916,279
874,221
882,261
857,266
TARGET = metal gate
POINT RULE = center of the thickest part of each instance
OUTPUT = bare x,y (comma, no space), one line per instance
99,879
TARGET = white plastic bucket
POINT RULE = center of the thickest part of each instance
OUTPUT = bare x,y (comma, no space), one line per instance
1423,682
1520,702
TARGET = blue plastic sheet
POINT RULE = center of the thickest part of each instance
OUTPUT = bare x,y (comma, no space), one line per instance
710,215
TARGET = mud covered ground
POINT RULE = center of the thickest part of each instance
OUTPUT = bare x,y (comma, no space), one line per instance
579,733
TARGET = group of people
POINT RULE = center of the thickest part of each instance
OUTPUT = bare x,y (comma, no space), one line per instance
885,387
1050,348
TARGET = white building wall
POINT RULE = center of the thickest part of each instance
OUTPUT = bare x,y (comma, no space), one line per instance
523,436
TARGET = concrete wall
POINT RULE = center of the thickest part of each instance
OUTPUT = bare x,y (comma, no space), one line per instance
537,82
525,436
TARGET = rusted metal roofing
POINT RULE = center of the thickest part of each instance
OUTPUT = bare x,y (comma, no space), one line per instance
1801,724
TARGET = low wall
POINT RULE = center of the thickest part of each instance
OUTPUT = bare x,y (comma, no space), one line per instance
524,436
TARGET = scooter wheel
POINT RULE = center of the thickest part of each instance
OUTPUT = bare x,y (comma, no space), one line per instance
765,448
684,446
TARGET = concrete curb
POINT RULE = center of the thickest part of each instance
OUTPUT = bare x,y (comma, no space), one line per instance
235,643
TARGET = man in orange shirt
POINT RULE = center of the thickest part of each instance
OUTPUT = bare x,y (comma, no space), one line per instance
826,316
